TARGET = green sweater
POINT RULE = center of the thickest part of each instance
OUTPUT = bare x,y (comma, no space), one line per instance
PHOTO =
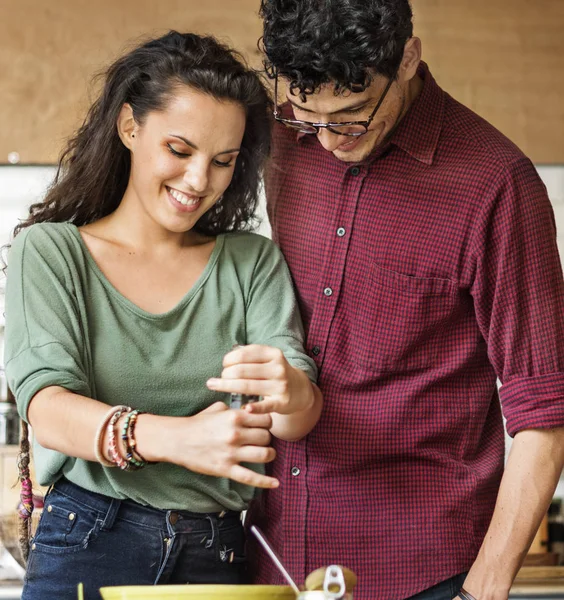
67,326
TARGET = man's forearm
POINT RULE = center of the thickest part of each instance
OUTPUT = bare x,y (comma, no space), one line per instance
530,478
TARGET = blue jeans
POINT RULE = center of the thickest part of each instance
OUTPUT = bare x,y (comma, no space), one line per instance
446,590
90,538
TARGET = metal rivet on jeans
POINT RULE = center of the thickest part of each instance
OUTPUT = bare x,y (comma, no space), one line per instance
72,516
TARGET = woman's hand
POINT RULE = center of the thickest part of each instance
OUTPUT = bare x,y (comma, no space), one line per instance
216,440
288,395
264,371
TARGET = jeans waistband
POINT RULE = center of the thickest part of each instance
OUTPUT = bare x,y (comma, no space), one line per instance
113,508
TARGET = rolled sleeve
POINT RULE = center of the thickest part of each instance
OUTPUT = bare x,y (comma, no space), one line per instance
533,403
43,331
519,299
39,367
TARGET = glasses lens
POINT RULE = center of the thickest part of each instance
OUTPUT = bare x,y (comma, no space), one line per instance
353,130
299,126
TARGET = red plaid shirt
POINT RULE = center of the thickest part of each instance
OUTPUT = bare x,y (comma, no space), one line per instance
423,273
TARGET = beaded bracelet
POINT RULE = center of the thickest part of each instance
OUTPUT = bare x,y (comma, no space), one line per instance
112,439
100,437
135,460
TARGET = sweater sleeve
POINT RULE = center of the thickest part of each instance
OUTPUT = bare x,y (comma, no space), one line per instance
43,330
272,313
518,293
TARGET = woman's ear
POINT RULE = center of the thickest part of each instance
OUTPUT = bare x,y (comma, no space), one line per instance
126,126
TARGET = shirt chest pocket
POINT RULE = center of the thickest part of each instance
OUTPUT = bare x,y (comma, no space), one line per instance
402,321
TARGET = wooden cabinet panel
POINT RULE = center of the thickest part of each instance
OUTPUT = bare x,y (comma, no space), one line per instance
49,52
503,58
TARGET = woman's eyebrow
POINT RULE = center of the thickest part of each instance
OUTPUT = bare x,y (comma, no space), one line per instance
192,145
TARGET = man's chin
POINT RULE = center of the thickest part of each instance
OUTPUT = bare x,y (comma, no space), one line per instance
351,157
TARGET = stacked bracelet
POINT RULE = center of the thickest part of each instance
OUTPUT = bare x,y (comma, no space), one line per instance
131,459
134,459
112,438
100,437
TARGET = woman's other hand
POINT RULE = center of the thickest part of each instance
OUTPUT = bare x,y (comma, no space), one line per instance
216,440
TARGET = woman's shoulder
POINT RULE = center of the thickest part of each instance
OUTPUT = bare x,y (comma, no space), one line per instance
252,255
44,234
250,244
45,241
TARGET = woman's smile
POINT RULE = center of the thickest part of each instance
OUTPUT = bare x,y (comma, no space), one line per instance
183,202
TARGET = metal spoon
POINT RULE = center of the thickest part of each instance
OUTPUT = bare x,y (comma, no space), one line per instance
260,537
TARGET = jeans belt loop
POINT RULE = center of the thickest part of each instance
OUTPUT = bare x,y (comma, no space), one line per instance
111,515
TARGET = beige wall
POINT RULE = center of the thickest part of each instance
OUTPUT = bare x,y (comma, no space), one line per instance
503,58
50,49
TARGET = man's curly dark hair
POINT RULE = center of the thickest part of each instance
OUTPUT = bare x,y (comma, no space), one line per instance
345,42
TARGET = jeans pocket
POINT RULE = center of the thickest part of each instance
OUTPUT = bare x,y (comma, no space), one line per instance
65,526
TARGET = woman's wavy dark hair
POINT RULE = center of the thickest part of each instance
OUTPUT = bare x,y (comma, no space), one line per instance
345,42
94,167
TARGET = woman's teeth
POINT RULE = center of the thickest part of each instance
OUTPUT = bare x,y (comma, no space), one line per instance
183,198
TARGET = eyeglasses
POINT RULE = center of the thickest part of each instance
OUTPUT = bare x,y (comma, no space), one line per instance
351,128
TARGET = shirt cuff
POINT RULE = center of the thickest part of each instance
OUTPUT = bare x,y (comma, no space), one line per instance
533,402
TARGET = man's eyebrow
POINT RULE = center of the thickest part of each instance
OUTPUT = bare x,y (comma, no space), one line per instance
192,145
335,112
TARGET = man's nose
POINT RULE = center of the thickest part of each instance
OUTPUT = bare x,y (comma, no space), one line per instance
329,140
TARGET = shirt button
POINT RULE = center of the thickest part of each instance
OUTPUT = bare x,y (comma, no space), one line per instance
341,231
355,171
328,291
316,350
295,471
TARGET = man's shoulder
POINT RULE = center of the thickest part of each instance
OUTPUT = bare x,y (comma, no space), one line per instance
471,136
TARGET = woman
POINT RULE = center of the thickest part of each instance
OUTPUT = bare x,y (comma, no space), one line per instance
127,289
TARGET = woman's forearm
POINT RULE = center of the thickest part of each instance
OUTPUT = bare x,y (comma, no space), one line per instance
213,442
295,426
68,423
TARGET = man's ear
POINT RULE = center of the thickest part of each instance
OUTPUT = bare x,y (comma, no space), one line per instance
126,126
411,59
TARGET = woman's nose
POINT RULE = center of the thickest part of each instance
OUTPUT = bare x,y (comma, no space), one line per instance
196,177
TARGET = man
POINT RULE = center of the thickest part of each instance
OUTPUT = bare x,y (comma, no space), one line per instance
422,246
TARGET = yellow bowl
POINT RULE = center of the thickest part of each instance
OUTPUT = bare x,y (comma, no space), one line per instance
195,592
